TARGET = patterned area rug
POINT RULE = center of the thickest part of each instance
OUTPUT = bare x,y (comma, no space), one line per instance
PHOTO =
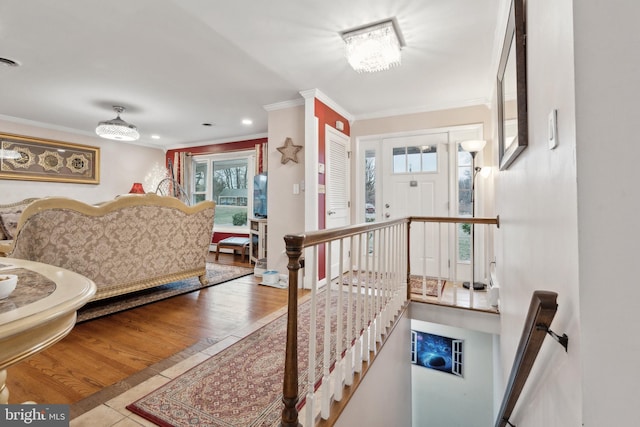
240,386
415,283
216,273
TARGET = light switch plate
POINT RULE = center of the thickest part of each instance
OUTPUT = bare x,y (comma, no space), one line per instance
552,134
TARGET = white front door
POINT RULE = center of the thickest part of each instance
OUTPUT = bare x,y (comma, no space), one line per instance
415,177
337,188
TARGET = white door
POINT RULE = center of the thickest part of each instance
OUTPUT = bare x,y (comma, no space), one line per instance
337,188
415,183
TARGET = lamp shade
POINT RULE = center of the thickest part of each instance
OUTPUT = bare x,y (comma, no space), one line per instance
137,188
473,145
117,129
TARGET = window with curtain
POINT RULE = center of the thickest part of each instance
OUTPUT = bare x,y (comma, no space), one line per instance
226,179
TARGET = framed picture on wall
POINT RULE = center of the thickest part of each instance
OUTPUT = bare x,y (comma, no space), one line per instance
512,88
437,352
37,159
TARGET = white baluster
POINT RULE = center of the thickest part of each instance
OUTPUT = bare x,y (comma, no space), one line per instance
326,347
383,305
439,284
373,292
424,257
309,403
473,267
358,329
366,348
338,370
349,356
455,267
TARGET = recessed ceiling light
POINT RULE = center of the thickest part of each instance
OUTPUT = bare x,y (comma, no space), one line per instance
247,122
9,62
155,136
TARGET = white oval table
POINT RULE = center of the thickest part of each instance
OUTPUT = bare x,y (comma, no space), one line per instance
40,312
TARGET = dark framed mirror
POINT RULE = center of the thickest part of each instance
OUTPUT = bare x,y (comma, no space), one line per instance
512,88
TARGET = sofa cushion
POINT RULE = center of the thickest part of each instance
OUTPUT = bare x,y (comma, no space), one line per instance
12,208
9,224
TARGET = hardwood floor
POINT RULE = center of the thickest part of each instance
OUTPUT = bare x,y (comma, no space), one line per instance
101,352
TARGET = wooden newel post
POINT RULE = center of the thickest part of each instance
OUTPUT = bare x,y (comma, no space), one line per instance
290,388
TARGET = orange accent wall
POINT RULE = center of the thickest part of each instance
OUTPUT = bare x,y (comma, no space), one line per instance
326,116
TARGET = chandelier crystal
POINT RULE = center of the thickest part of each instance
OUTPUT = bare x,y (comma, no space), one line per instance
373,48
117,129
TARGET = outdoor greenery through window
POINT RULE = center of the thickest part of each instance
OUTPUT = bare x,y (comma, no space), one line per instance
230,191
464,203
370,186
226,182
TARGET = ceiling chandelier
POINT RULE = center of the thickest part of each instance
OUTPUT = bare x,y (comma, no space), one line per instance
373,48
117,128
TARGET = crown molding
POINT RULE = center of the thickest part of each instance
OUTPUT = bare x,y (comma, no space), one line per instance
317,93
424,109
284,104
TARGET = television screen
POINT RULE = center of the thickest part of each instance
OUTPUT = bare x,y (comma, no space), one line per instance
260,195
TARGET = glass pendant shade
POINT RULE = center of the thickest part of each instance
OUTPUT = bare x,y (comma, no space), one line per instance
117,129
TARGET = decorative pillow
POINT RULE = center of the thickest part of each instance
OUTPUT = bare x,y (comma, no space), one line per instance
9,224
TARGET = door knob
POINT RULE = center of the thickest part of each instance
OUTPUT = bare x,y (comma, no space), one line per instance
387,215
331,212
387,205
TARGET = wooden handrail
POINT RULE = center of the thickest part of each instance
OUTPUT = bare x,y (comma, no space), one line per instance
295,244
456,220
313,238
542,309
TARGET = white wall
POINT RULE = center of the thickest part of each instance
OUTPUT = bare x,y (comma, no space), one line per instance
121,165
383,399
537,242
607,88
285,209
441,399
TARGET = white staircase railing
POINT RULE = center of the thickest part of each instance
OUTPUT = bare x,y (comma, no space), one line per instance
358,279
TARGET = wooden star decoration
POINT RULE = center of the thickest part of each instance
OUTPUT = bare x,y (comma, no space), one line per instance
289,151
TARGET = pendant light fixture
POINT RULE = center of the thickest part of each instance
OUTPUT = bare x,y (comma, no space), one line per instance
117,128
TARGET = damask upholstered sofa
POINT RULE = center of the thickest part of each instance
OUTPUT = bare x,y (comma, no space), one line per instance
9,216
128,244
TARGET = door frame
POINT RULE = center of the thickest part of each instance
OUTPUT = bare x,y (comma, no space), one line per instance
329,133
457,133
